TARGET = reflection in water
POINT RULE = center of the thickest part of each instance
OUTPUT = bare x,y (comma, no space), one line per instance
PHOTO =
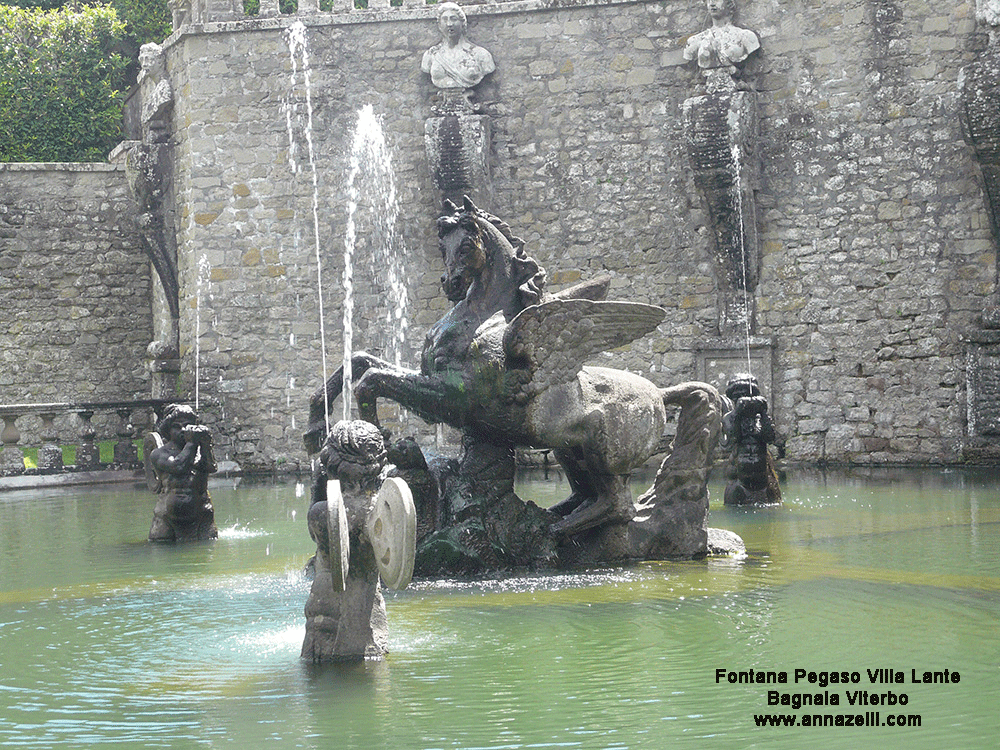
105,639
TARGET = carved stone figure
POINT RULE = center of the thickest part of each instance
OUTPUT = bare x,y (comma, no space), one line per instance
979,108
157,93
721,45
670,519
722,130
988,11
149,173
747,431
179,460
364,525
455,62
505,366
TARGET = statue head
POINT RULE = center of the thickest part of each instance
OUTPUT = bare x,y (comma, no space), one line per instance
354,452
471,239
452,21
151,59
176,416
741,386
721,8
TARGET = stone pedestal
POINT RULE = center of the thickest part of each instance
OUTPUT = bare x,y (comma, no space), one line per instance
721,127
458,153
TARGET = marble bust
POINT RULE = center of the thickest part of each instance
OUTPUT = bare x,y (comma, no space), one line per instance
721,45
455,62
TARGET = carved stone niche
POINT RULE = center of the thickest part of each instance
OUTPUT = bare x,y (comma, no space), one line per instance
718,360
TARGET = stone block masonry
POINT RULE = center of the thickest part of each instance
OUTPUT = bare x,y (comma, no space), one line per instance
876,252
74,288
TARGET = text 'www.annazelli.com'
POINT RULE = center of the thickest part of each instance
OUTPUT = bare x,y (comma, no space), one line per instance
867,719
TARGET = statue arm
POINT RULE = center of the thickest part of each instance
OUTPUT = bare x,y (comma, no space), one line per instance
485,60
165,460
692,46
739,47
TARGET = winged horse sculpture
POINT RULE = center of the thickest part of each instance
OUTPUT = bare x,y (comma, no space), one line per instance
506,364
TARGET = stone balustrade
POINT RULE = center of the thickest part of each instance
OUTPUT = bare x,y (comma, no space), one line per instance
221,11
59,419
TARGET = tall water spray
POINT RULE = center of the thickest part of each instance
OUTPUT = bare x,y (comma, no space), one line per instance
299,118
371,181
738,196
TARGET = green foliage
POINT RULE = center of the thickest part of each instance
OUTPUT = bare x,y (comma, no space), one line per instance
62,83
145,20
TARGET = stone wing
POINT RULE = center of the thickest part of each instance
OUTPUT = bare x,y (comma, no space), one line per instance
553,340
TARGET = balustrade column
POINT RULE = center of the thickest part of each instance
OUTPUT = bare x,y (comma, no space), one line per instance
308,7
11,458
50,456
88,455
126,453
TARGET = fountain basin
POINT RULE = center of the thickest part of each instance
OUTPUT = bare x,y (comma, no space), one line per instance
107,639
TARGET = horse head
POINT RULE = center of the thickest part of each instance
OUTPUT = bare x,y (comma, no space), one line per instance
478,246
465,256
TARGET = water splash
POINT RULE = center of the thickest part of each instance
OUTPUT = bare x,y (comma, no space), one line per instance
371,178
298,121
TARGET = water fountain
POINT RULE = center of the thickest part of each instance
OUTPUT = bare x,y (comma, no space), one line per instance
297,39
371,179
200,644
505,366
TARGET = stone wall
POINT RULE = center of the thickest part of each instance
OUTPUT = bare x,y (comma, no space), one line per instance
74,287
876,254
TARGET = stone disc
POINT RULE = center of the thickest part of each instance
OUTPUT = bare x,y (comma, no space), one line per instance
392,530
151,442
338,534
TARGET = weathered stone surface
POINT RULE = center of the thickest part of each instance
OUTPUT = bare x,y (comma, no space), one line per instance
74,288
871,204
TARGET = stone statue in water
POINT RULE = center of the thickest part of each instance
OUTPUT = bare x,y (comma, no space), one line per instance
179,460
506,367
455,62
747,431
364,525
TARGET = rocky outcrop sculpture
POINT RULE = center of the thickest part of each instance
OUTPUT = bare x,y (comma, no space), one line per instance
747,432
364,526
179,459
505,366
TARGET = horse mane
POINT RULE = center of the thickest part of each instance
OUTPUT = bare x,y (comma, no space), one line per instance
529,276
